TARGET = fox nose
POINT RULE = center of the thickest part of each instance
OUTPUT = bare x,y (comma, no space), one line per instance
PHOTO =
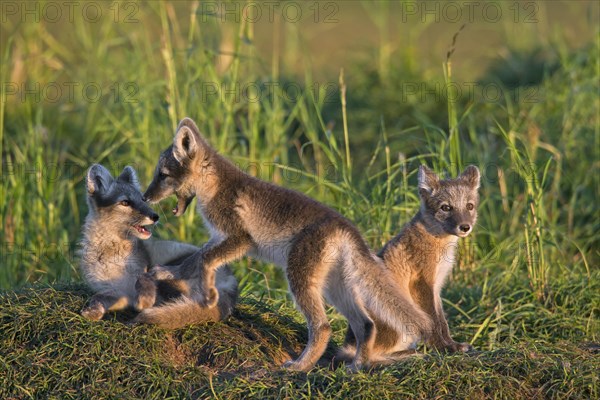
154,217
465,228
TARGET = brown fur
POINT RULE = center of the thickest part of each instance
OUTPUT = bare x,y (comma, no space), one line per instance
323,254
420,258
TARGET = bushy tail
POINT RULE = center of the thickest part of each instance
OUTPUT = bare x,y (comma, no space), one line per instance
179,313
384,298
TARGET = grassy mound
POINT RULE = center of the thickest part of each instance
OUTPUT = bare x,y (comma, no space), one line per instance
48,350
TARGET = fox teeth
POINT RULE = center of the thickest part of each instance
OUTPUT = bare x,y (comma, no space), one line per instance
141,229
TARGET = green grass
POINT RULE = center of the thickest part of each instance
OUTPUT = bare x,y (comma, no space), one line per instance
48,350
524,290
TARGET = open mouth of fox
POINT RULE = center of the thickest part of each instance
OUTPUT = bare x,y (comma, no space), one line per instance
182,204
141,231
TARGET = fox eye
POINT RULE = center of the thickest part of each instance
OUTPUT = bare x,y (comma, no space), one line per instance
446,207
125,203
470,206
162,175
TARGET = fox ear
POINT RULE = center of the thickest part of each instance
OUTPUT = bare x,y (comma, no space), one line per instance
129,175
428,181
187,142
98,179
472,176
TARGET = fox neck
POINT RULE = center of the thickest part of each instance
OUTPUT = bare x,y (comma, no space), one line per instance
422,250
420,234
440,245
431,229
212,175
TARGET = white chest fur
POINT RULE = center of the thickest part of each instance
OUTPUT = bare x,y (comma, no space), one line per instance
445,263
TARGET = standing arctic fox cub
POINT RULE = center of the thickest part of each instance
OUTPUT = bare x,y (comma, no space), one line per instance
420,258
116,253
322,253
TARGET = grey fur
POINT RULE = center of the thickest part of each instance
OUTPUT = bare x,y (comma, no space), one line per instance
322,253
115,257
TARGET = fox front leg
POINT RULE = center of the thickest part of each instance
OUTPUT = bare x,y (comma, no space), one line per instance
423,293
206,292
102,302
211,258
430,301
230,249
440,321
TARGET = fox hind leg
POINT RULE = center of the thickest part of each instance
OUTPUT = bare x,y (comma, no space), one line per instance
310,303
306,273
146,288
361,328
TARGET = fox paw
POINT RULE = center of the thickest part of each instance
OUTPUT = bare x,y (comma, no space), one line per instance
355,367
144,301
295,365
93,312
456,347
211,298
160,273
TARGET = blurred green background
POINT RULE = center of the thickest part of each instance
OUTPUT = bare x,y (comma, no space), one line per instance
510,87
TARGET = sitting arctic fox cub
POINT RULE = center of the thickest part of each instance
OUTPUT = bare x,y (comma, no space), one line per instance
420,259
